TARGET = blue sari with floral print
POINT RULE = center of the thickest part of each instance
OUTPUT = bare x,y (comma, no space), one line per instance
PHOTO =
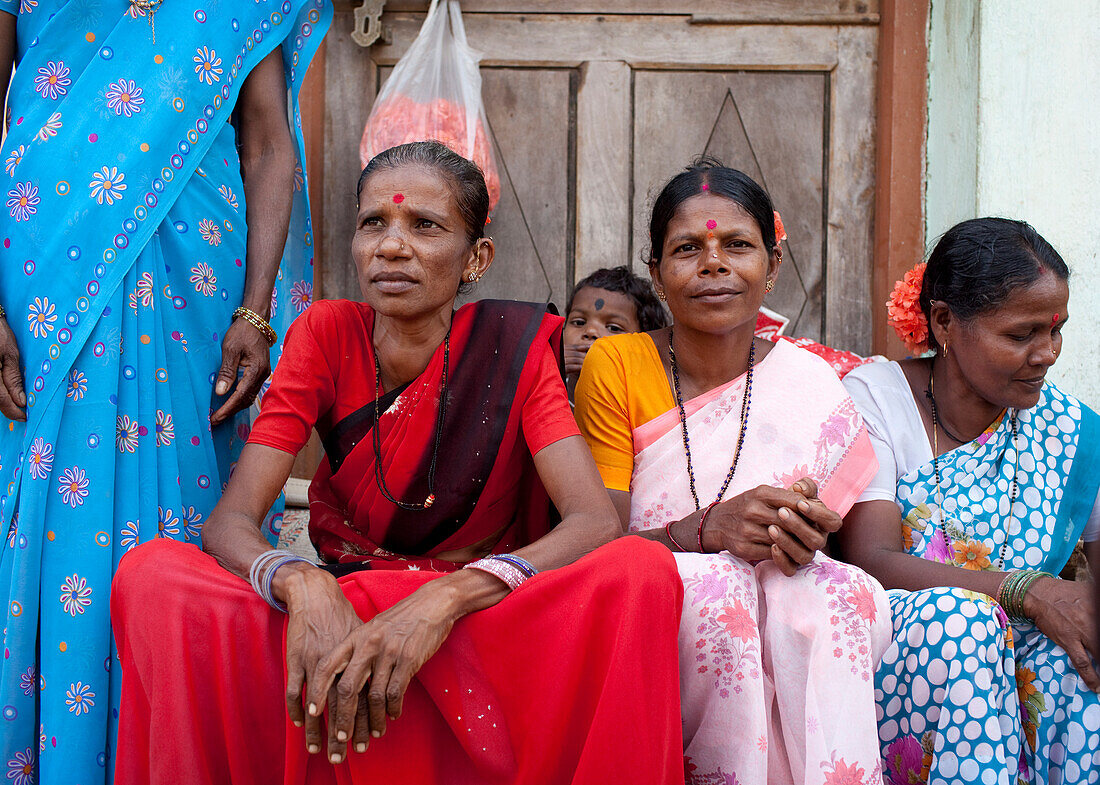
122,250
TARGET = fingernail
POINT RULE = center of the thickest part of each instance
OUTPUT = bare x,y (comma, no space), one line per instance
341,735
313,710
361,747
297,723
335,757
804,506
221,388
313,749
376,733
773,531
784,513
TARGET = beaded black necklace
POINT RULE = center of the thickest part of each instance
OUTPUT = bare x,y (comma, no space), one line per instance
746,400
377,437
930,393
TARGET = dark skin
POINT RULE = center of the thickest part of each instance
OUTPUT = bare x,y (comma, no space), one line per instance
993,361
594,313
13,397
713,268
410,257
267,169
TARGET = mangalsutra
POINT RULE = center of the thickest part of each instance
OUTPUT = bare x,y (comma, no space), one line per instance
930,393
148,7
377,440
746,400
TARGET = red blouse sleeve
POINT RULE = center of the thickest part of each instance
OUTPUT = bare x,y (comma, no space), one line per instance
546,415
303,386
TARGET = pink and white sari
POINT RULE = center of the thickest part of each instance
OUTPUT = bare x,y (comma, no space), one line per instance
776,673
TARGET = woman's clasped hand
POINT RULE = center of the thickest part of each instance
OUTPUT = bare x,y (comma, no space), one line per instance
786,525
357,670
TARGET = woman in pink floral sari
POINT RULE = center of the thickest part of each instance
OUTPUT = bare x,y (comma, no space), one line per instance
741,455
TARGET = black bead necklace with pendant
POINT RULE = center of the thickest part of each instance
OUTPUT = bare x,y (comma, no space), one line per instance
746,401
377,437
937,425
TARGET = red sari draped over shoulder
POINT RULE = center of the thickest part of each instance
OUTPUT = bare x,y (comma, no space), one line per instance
485,484
572,678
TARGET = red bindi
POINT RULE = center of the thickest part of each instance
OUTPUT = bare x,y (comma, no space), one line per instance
1054,321
706,187
398,198
711,224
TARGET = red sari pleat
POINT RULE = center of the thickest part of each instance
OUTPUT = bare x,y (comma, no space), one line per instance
571,679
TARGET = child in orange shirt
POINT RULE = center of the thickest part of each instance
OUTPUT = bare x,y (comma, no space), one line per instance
610,301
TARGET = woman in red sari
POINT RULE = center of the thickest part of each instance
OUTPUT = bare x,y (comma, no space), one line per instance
446,435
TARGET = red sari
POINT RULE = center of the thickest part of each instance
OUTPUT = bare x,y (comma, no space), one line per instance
570,679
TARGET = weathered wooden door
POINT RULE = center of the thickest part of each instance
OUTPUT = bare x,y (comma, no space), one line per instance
593,106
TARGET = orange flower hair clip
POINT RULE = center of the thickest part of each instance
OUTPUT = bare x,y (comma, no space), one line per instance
780,232
905,314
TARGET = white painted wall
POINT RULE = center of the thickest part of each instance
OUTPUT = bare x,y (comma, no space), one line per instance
1014,130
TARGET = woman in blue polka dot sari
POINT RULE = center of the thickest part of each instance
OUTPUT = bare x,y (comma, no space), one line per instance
152,177
989,476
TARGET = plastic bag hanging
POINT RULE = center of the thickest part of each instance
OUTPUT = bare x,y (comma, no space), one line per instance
434,92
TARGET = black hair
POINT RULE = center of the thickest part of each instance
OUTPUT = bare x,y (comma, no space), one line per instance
651,314
706,174
977,264
466,179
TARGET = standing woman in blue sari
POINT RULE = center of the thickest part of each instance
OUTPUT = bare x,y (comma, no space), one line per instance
988,477
155,221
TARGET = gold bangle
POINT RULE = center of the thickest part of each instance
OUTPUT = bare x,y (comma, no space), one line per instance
3,313
259,322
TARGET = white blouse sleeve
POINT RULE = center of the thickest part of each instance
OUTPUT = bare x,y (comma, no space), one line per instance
1092,528
883,397
883,487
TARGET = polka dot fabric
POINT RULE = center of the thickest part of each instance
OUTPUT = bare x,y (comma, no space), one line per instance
963,695
122,257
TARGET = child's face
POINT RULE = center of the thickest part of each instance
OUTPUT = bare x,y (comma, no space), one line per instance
596,313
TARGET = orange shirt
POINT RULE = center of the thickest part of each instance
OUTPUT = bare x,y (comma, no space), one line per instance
622,385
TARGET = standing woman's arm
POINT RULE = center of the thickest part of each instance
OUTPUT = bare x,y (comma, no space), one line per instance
12,397
267,168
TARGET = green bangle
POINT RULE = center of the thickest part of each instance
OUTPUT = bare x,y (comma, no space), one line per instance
1014,589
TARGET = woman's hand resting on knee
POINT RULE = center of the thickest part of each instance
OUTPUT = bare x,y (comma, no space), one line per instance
786,525
361,670
1064,611
321,618
365,676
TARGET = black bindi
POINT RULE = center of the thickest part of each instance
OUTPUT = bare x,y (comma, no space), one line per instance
599,304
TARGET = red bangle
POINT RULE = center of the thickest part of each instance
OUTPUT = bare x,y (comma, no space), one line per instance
668,531
702,522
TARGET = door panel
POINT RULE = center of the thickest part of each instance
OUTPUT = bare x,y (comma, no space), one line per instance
770,125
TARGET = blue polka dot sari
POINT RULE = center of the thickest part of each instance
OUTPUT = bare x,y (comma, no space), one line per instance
122,258
963,695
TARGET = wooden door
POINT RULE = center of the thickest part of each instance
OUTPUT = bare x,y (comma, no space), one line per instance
593,108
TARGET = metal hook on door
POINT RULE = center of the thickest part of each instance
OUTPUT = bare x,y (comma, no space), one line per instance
370,11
